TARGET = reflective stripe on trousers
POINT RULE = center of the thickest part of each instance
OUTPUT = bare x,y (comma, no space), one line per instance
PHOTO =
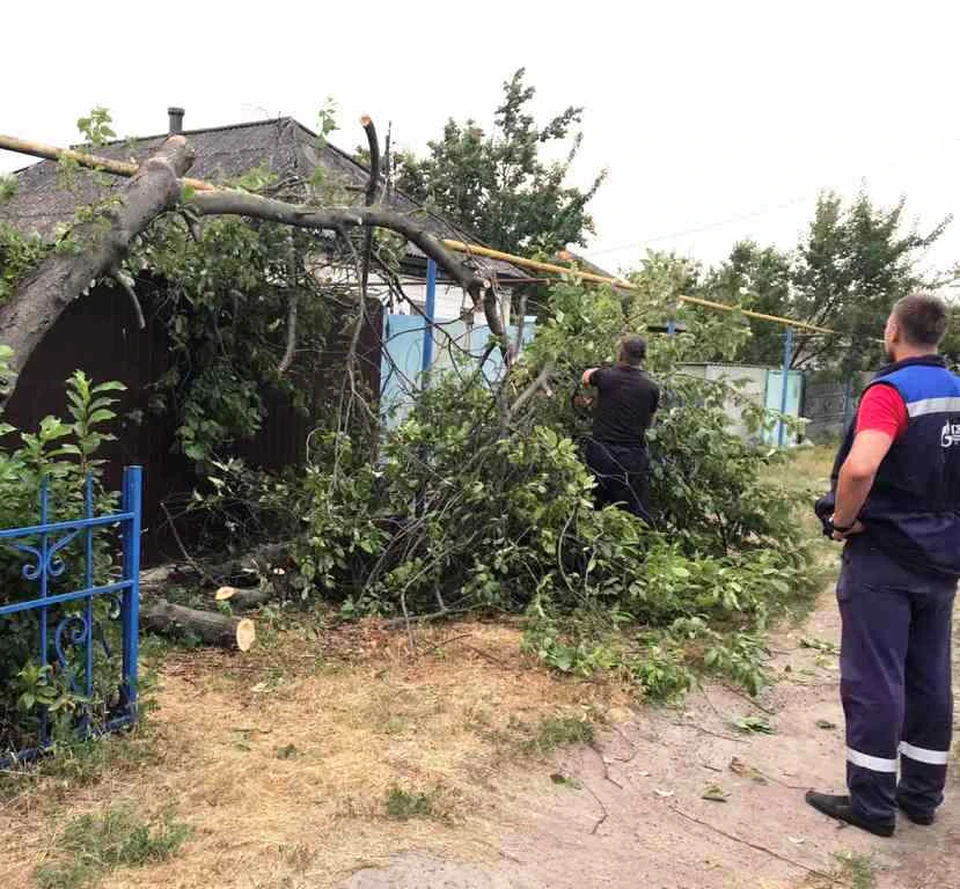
895,682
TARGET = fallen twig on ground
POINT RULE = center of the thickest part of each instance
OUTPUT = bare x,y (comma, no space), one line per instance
707,731
752,701
423,618
440,645
633,746
606,768
603,808
759,848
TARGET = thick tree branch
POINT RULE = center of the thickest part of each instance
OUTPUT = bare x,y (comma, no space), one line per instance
60,278
235,203
156,187
539,382
374,145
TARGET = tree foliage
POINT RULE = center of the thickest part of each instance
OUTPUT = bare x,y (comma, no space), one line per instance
499,185
855,260
60,455
476,505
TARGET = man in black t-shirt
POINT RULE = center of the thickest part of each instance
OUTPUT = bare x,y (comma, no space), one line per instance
627,399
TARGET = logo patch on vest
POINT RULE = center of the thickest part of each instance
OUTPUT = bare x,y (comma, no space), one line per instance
951,433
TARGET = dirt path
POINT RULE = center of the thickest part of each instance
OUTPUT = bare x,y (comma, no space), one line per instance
629,816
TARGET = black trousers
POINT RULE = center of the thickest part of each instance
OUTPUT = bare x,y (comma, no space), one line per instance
894,682
622,473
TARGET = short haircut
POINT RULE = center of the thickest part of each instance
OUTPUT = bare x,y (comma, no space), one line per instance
922,318
633,349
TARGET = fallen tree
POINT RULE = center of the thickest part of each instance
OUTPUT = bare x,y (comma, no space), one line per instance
156,187
478,501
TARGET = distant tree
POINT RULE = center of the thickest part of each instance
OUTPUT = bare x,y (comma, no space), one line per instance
498,185
951,345
759,279
853,263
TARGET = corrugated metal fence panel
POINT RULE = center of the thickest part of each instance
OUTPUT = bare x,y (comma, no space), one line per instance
99,334
830,405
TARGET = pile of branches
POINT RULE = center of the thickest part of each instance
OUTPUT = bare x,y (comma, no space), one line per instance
477,501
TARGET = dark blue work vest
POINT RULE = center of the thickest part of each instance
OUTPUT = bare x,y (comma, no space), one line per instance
913,511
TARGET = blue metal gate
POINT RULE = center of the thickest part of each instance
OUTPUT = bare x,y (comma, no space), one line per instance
79,630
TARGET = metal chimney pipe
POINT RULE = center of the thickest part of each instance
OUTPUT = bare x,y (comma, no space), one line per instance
175,116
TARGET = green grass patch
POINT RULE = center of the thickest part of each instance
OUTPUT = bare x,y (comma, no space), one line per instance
95,844
402,805
559,731
83,763
857,871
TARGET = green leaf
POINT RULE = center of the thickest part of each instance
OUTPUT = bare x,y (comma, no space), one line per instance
100,416
753,725
715,793
109,386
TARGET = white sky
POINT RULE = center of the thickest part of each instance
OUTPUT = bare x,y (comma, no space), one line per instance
716,120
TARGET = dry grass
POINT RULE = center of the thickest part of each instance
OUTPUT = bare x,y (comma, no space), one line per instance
283,760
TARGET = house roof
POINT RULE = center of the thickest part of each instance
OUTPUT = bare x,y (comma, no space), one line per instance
283,145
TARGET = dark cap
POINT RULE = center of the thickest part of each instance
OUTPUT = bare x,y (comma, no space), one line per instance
633,349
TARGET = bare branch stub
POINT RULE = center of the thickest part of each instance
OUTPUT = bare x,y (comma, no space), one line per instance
121,279
370,198
292,308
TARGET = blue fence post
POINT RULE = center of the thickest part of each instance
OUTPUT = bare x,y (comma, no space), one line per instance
671,328
88,615
787,357
132,495
431,310
43,564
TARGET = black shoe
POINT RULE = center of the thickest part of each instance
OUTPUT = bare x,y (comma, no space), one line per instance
839,808
922,818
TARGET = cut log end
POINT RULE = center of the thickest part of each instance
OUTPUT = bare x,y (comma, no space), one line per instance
168,619
243,598
246,634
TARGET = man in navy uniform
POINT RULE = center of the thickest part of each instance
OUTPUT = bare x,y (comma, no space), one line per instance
895,500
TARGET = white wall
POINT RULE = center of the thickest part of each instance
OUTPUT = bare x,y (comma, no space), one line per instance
754,388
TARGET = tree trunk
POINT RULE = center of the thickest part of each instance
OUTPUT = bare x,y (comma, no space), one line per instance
41,298
167,619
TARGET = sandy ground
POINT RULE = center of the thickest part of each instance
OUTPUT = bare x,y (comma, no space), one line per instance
631,822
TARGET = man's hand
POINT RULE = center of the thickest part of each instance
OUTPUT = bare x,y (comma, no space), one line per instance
587,374
843,535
